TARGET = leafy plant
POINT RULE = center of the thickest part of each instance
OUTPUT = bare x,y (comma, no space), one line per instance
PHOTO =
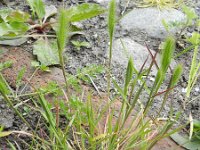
78,44
86,74
192,19
37,8
13,23
62,37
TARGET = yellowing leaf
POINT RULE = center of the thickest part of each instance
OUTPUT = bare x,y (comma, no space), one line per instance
4,134
7,133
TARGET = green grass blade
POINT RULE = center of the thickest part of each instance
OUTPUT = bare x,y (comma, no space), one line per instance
167,53
176,75
63,30
111,28
129,74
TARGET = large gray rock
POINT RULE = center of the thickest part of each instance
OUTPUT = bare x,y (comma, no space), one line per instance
149,20
138,52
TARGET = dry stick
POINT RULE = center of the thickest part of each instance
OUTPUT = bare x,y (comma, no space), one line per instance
96,88
165,91
125,7
155,60
152,57
29,80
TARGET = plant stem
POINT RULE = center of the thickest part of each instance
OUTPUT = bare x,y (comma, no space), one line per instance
109,68
63,71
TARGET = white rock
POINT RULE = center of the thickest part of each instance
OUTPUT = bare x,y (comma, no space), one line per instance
197,89
184,90
149,20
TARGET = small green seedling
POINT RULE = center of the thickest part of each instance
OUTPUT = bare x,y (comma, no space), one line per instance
5,65
26,110
42,67
79,44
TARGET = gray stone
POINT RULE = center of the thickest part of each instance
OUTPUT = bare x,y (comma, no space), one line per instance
7,116
149,20
138,52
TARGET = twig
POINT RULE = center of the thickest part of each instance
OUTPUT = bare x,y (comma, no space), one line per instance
94,85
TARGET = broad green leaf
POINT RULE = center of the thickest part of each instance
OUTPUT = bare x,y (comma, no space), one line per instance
18,16
46,52
10,15
13,28
184,142
84,11
13,41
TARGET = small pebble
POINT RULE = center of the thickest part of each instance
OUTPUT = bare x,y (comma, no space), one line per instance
152,79
197,89
184,90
